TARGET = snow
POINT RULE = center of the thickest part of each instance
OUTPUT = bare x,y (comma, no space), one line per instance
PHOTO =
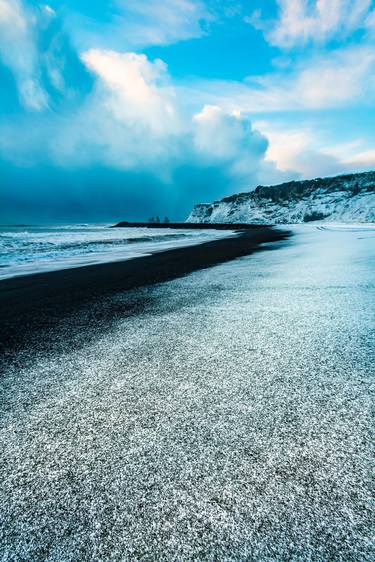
229,419
343,199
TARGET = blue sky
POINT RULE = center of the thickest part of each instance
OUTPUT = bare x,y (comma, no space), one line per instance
122,109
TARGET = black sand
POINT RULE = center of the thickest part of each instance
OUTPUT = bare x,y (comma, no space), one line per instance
222,416
33,307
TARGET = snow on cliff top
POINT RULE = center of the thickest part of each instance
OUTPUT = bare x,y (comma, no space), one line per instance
345,198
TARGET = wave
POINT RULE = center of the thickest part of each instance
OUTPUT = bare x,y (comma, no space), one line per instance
27,250
29,243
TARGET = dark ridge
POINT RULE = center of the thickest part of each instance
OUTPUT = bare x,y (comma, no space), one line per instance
38,311
188,225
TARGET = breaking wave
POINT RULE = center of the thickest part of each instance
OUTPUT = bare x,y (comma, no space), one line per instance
31,249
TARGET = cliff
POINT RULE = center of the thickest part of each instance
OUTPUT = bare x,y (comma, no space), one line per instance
346,198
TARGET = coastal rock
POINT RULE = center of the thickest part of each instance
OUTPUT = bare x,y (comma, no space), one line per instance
345,198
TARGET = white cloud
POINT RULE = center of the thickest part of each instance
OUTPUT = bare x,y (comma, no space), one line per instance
298,149
301,21
50,11
230,138
133,24
132,120
132,124
370,22
364,160
327,81
154,23
11,13
125,122
305,150
335,79
136,121
354,155
138,90
19,53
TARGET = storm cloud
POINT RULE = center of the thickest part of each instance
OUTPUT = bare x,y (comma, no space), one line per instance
101,134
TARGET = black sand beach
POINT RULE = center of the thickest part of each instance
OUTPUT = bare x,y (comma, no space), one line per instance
225,415
33,306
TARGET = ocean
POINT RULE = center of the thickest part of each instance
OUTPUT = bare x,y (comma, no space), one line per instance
31,249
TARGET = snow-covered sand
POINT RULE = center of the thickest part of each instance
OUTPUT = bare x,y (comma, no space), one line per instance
229,419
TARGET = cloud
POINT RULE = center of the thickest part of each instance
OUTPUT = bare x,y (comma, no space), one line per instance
364,160
332,80
131,24
45,68
337,78
136,106
126,142
19,53
370,22
229,138
109,131
153,23
299,149
329,60
317,21
304,150
139,90
136,123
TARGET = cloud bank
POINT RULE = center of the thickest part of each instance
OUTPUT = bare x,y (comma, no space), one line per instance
121,144
92,128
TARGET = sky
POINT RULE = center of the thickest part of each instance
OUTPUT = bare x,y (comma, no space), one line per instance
125,109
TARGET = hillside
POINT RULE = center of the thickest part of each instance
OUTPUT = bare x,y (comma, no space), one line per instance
345,198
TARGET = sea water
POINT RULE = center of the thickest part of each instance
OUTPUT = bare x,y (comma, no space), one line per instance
31,249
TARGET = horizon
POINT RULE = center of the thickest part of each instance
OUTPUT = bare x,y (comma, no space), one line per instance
123,111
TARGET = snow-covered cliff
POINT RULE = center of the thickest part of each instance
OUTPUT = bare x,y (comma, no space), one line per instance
347,198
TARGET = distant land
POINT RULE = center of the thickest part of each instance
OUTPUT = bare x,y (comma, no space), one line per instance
344,198
186,225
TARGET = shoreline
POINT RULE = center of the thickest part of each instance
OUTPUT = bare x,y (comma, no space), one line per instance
34,305
192,225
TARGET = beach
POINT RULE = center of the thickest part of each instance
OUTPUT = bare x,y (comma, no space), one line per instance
33,305
205,403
